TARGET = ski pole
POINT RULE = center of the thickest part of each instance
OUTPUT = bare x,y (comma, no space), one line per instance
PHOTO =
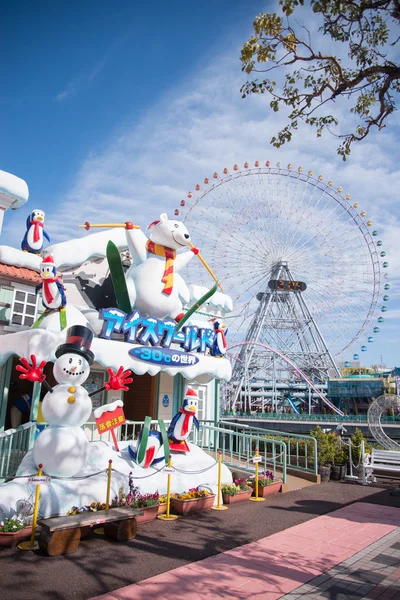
126,225
206,266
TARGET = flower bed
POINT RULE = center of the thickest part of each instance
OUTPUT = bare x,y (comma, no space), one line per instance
267,484
148,503
238,491
13,531
193,500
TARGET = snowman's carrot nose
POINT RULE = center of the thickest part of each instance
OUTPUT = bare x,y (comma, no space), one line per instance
126,225
206,266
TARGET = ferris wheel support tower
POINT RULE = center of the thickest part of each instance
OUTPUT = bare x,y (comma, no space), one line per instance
284,321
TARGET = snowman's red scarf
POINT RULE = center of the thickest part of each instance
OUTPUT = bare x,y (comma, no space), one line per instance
36,234
170,255
46,289
188,414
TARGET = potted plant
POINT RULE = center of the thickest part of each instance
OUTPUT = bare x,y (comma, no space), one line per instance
148,504
194,500
267,484
13,531
237,491
340,459
325,451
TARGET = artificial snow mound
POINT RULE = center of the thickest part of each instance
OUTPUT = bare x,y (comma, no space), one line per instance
89,485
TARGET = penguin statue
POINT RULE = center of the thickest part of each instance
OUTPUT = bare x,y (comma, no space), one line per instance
182,423
33,238
147,447
218,348
53,295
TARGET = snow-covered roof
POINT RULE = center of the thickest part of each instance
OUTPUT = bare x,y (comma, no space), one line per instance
17,258
13,189
109,353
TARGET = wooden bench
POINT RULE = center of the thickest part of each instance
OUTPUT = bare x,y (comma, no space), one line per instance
386,461
61,535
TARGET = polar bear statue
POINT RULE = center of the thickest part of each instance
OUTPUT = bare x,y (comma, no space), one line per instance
155,288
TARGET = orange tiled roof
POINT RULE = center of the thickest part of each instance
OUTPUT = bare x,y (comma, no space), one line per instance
21,273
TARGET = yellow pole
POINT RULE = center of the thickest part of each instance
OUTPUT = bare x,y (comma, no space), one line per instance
32,545
219,505
256,498
206,266
168,516
108,484
100,530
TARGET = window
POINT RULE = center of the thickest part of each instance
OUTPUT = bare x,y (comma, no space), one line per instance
24,308
201,392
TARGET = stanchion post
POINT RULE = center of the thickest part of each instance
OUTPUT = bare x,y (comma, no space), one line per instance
256,498
219,505
32,545
108,484
168,516
100,530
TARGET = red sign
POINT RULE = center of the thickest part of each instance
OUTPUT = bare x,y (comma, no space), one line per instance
109,420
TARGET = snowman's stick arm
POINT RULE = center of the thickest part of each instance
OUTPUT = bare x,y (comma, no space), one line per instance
206,266
97,391
47,386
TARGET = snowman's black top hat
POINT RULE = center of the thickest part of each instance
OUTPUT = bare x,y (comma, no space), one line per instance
79,339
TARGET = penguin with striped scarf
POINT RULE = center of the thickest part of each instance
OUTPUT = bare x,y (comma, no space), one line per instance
154,285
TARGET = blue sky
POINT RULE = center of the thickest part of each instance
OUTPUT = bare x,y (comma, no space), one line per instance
118,110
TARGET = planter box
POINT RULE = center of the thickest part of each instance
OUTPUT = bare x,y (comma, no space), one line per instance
149,514
10,540
267,490
183,507
239,497
162,508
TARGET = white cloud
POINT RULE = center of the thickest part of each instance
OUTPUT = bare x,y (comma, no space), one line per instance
69,91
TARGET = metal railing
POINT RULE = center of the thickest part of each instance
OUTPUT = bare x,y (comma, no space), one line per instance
315,417
14,444
237,447
301,449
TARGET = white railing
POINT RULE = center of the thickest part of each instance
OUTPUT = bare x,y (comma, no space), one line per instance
14,444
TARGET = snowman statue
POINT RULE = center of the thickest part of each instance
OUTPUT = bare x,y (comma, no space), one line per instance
62,447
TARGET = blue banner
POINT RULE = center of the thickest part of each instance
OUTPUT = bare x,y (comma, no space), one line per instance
164,356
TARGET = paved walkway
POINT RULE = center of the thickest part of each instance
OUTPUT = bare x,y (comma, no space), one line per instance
354,548
373,573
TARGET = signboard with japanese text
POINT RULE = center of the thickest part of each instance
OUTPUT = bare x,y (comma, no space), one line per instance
156,334
110,420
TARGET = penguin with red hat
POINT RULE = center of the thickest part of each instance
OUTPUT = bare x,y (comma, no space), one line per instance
53,295
182,423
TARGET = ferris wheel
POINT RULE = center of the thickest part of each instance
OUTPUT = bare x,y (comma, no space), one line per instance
266,228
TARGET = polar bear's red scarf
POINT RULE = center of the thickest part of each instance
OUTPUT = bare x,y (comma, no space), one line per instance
170,255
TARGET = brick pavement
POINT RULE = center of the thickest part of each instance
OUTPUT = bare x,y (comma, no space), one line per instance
354,548
372,574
